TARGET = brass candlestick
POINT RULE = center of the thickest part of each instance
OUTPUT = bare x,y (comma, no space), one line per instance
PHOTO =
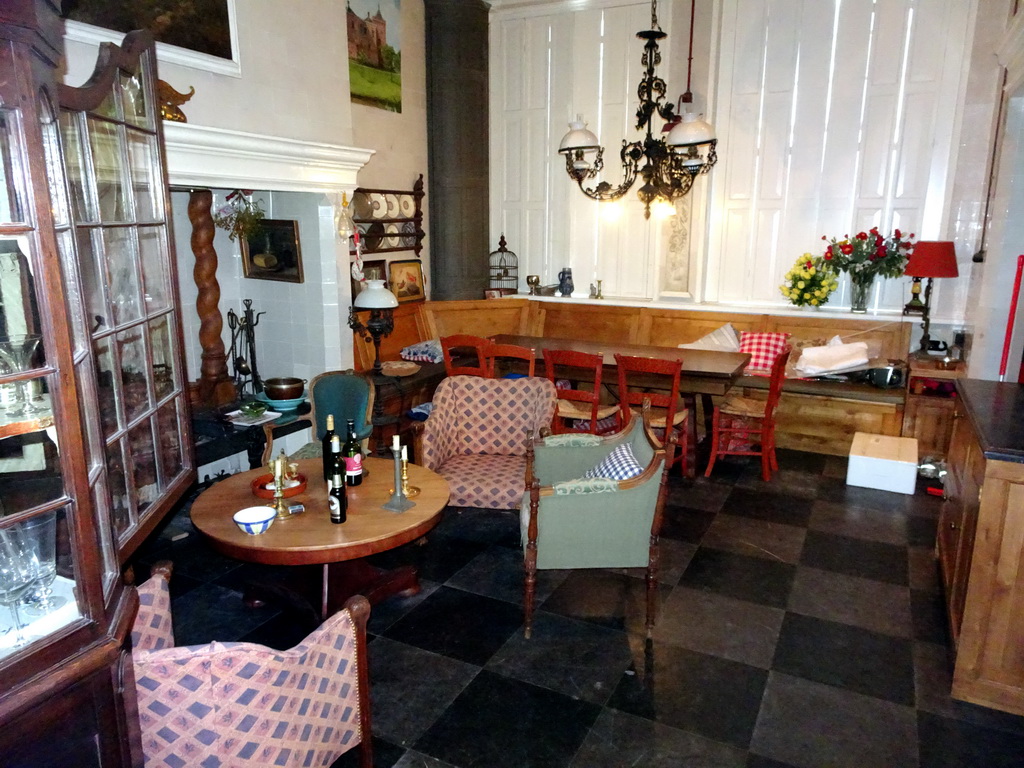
410,491
277,467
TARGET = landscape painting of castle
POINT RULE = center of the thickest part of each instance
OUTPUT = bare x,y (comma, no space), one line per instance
374,53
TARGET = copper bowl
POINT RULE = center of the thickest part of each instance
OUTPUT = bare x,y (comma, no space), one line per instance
287,388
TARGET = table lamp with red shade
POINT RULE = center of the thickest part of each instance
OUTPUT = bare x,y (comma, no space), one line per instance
931,259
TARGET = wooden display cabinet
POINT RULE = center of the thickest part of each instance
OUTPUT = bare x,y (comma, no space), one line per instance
928,413
94,422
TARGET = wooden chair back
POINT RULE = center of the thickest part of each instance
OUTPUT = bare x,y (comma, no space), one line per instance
638,376
494,352
556,365
459,344
778,376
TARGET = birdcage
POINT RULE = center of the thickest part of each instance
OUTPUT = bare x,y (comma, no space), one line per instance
504,269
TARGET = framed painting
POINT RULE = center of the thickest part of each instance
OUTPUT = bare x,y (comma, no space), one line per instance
374,53
406,278
202,34
376,269
272,252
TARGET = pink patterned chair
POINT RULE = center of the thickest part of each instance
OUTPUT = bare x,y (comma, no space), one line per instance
477,435
240,704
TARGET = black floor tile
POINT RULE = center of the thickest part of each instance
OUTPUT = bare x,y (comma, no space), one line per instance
484,526
921,530
775,508
458,624
930,619
856,557
714,698
685,524
501,723
947,743
847,657
607,598
499,572
754,579
210,613
385,755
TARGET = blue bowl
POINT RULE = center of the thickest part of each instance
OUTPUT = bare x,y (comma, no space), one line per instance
254,520
282,405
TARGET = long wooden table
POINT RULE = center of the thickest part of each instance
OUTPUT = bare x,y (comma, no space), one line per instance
704,372
310,538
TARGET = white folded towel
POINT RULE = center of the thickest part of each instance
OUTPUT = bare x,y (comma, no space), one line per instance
832,358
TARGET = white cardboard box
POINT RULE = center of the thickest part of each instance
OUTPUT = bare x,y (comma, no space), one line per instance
882,462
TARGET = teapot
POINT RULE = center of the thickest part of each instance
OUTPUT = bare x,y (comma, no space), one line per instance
565,286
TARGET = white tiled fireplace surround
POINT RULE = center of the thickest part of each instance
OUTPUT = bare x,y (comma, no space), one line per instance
304,329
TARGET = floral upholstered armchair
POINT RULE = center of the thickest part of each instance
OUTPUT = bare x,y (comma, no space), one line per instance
595,502
240,704
477,435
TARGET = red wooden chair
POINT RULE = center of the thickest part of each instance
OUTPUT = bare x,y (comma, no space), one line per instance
458,346
739,421
494,352
638,376
579,404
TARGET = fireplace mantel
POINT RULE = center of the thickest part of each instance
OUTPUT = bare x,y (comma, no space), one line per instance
199,156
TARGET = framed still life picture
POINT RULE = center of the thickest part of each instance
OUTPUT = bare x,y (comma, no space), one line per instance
272,252
406,278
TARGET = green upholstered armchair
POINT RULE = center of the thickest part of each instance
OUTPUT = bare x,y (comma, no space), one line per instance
569,521
346,394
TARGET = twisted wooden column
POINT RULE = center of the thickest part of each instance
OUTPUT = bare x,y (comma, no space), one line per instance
215,385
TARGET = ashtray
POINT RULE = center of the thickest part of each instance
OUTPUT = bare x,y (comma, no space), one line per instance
293,486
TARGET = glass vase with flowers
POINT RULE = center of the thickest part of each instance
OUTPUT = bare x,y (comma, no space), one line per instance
864,257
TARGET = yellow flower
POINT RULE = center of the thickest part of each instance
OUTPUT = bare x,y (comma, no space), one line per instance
800,285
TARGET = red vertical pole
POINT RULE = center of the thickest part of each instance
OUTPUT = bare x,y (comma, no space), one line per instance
1010,320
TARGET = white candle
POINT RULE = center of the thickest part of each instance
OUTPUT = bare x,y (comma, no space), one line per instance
394,442
405,455
277,469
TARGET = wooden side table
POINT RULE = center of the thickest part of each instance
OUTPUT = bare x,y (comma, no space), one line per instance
931,400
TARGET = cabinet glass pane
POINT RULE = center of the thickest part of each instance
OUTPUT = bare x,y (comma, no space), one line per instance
73,293
37,579
161,335
54,168
132,350
90,271
133,98
108,389
169,436
90,429
153,249
108,169
83,202
141,155
30,473
12,186
117,491
108,547
19,311
119,254
147,486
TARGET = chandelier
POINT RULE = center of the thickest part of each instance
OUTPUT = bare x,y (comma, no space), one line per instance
668,166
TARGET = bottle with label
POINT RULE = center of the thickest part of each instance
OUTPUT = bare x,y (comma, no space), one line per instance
353,457
337,500
325,444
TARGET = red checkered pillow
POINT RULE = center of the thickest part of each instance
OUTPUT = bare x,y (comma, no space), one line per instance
763,348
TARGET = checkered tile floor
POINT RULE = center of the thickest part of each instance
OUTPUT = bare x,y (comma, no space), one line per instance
800,624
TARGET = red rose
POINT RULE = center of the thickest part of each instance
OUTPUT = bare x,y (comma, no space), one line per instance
873,230
808,265
828,256
862,236
846,248
897,234
881,252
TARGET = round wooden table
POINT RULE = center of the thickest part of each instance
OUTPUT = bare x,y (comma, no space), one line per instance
310,538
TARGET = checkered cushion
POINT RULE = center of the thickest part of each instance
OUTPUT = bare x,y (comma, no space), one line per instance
763,348
620,464
424,352
153,628
485,482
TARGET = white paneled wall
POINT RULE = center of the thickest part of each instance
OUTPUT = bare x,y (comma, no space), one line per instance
842,120
832,116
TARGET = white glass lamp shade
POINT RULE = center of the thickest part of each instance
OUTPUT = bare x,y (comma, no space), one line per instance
691,130
375,296
578,137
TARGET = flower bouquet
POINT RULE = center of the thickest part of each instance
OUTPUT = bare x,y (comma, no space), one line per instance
810,281
865,256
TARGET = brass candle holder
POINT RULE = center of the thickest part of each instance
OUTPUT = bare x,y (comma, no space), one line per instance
277,467
410,491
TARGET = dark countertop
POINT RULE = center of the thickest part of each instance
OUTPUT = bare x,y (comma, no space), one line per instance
996,409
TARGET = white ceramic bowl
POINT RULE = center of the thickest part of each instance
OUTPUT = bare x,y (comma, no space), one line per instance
254,520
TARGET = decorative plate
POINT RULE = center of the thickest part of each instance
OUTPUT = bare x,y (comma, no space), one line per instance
394,239
263,486
362,208
392,203
373,239
407,204
408,234
379,204
399,368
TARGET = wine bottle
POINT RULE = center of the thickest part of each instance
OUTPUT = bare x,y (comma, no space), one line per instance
337,499
325,444
353,457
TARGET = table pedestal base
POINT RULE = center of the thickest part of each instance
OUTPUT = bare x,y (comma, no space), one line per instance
316,592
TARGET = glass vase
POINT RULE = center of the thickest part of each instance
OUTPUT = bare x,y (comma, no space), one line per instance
860,292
